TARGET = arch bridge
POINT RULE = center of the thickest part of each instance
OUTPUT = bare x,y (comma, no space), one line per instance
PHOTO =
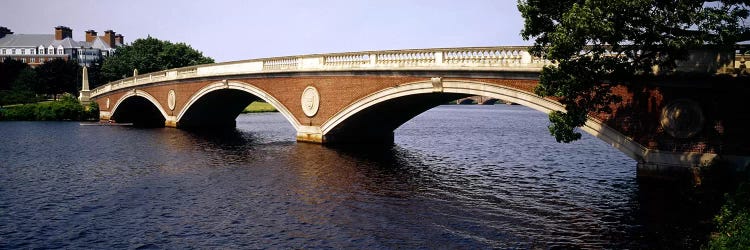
363,97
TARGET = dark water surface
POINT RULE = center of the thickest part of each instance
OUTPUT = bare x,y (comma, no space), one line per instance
457,177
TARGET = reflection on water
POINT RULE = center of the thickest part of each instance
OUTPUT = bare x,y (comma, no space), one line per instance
456,177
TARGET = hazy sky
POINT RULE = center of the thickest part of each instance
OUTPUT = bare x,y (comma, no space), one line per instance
236,30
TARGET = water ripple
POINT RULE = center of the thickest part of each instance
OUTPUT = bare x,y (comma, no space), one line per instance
457,177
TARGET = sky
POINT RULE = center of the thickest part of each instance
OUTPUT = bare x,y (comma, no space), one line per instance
229,30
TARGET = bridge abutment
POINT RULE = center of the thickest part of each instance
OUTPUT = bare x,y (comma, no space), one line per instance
690,167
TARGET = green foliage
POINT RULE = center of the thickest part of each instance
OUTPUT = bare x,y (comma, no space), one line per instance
9,70
600,44
21,88
20,83
259,107
26,80
95,74
733,221
67,108
91,112
150,55
8,97
59,76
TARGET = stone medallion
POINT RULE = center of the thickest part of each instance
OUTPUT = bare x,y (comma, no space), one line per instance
107,103
310,101
682,118
171,99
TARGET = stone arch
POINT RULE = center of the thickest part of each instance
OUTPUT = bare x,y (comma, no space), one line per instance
239,86
460,88
135,93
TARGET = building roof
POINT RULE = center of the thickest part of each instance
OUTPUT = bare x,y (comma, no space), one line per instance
99,43
26,40
66,43
35,40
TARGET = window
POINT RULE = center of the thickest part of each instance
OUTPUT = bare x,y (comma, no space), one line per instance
12,51
23,60
59,51
33,59
23,52
3,51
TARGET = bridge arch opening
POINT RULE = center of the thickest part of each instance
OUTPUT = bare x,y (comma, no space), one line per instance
375,117
139,110
218,108
218,105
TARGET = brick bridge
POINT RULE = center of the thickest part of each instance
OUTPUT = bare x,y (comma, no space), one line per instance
363,97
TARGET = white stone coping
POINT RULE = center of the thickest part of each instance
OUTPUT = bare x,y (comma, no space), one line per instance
507,58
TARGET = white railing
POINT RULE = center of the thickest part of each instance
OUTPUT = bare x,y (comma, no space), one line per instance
281,64
507,58
483,58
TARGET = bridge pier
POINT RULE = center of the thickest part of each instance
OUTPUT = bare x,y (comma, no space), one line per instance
171,121
313,134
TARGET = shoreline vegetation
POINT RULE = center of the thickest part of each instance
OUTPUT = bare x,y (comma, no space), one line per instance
67,108
259,107
732,222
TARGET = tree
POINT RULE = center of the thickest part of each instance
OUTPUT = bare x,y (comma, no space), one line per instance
17,82
582,35
95,74
59,76
26,80
150,55
9,70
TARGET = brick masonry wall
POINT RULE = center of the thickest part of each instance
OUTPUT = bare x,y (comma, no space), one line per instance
637,116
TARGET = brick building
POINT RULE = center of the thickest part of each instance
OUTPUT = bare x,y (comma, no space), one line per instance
36,49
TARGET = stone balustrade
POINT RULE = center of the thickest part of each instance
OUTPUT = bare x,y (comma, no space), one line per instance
507,58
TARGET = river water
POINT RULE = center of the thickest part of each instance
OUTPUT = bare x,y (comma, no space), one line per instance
456,177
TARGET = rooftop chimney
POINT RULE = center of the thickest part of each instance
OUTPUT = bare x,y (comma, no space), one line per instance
109,38
62,32
90,36
4,31
119,39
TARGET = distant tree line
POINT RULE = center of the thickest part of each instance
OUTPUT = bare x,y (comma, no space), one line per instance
149,55
20,83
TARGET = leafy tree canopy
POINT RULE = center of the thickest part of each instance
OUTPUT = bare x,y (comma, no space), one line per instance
581,35
59,76
150,55
9,70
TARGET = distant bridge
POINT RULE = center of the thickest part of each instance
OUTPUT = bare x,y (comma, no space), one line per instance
363,97
482,100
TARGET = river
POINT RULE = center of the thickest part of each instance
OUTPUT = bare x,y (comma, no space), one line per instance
456,177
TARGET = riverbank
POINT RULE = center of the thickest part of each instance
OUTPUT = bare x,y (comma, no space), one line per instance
259,107
732,223
67,108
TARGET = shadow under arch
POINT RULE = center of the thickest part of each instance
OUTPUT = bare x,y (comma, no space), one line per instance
218,105
375,117
140,108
